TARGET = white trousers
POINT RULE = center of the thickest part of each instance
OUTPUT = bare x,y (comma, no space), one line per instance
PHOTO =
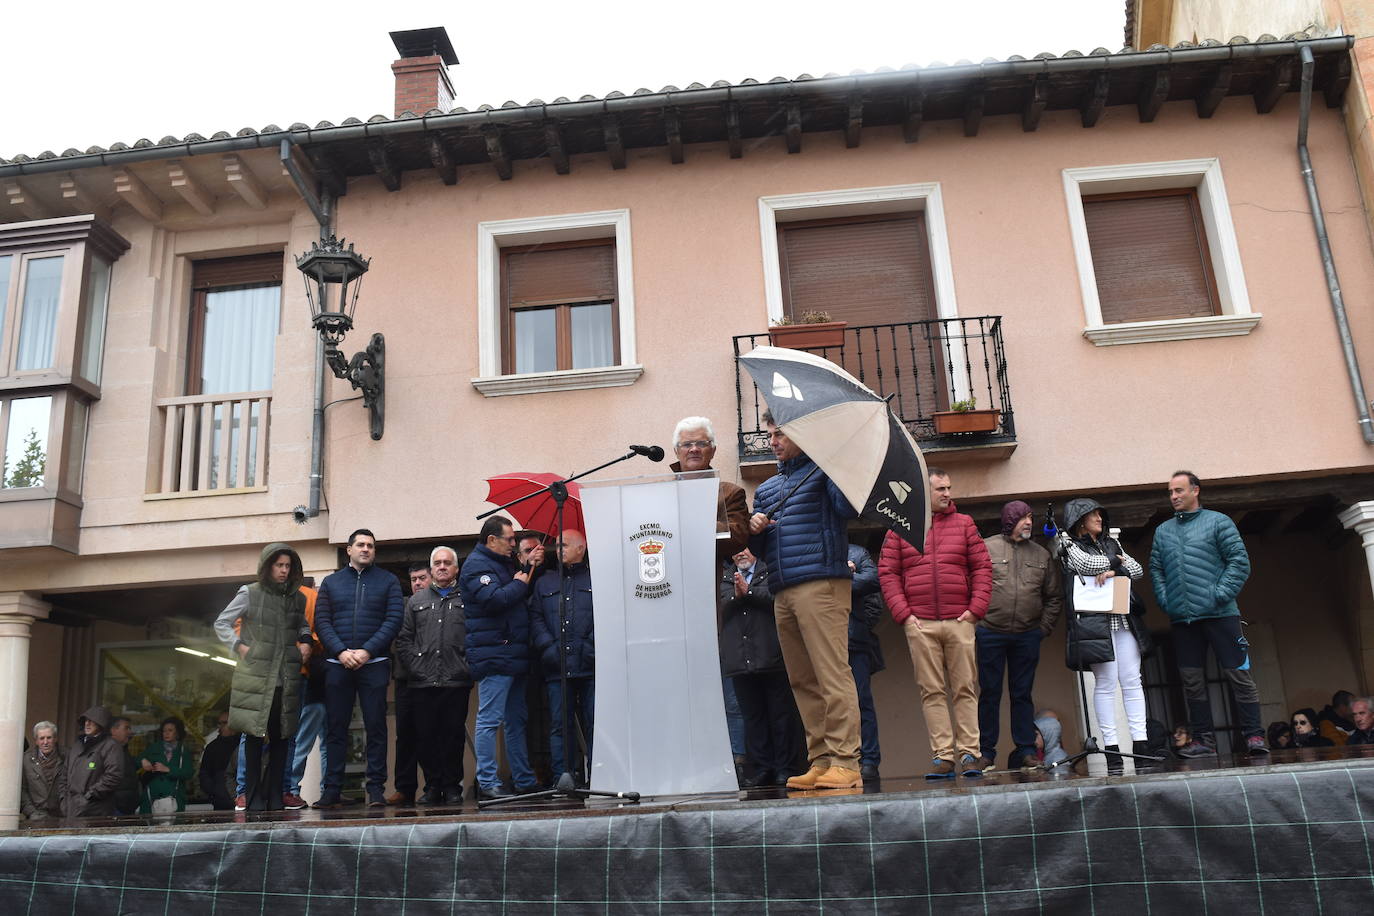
1125,670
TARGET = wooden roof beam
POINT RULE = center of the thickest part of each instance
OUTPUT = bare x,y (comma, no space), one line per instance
1037,97
496,152
384,164
1274,85
1095,102
973,109
732,130
1154,89
441,157
615,146
793,129
77,199
672,129
854,124
1339,81
553,145
190,190
243,182
915,112
135,193
1217,87
19,199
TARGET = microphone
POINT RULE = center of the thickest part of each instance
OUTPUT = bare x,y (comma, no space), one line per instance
652,452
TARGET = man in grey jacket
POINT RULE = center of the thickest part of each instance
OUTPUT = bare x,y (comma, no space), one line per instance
1198,564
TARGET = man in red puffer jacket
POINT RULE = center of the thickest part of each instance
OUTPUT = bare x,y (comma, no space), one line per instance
938,597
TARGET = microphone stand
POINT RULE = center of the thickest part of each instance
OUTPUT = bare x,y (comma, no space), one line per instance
566,786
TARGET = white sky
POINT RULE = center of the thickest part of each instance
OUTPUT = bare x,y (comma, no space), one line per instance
82,74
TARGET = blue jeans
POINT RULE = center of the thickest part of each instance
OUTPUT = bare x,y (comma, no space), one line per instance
734,719
1016,655
313,718
241,774
583,693
368,685
869,751
501,701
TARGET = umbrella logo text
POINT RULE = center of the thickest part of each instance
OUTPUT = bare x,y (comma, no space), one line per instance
900,489
784,389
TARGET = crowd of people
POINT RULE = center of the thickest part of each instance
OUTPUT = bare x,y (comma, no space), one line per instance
797,610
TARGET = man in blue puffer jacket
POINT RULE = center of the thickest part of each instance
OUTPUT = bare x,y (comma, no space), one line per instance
798,528
1198,564
498,648
357,615
572,622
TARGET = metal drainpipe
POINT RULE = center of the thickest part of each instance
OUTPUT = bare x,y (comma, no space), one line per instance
302,514
1333,282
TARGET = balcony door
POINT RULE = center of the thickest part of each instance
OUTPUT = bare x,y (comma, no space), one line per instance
873,272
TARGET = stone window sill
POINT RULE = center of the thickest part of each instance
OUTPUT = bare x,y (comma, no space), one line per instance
1134,332
564,380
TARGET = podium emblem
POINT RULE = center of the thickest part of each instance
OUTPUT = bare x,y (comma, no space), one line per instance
651,561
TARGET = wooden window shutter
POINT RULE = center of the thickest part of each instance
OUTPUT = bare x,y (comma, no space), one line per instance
542,275
1150,255
245,271
864,271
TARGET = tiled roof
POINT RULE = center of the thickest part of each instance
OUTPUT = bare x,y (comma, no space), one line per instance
188,142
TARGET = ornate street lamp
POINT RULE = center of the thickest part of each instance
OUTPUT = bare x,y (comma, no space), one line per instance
329,270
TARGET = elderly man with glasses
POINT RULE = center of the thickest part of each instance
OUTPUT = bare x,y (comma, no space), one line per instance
694,444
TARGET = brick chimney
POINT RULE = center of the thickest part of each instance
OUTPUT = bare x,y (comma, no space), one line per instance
422,72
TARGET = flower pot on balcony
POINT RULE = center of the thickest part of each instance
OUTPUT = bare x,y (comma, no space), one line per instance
967,421
808,336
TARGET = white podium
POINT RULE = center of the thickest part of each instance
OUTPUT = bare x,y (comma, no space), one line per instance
660,716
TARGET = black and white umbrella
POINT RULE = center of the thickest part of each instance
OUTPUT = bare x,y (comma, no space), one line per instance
850,433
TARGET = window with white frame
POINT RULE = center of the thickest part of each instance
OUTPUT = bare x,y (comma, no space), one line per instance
555,303
1157,253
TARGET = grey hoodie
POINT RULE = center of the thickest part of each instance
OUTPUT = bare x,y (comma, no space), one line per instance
1051,730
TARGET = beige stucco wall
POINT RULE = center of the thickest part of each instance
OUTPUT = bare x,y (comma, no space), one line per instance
1197,20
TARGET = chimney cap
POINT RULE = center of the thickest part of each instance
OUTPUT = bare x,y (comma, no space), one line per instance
425,43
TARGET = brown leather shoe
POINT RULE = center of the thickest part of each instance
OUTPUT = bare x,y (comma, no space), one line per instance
808,779
941,769
839,778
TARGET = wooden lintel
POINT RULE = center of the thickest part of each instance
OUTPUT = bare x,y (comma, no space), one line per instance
973,110
615,147
1095,102
442,159
76,199
732,130
1215,90
243,182
328,172
131,189
496,152
1037,97
18,199
1274,85
190,190
1153,91
793,130
672,129
915,112
854,124
553,145
384,164
1339,81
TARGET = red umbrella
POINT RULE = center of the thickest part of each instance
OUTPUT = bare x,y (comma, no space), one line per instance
538,513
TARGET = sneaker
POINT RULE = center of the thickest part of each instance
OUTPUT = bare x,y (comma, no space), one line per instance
969,765
375,798
839,778
1196,748
808,779
941,769
989,762
240,802
1256,746
292,802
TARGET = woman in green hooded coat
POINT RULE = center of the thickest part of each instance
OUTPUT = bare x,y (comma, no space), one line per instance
265,627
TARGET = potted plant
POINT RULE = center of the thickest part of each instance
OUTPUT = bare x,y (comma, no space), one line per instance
965,417
811,330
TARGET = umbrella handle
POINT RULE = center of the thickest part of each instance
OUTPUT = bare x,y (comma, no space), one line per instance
814,468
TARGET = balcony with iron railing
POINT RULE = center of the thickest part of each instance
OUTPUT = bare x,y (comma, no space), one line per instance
931,371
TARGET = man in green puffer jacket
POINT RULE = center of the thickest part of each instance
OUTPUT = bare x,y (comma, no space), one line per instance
1198,565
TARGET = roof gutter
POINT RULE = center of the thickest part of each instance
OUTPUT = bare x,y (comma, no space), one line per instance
750,92
1333,282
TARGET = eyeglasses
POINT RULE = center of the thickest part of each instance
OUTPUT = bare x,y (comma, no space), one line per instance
1301,722
696,443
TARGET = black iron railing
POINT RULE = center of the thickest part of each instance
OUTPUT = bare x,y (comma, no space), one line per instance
926,367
